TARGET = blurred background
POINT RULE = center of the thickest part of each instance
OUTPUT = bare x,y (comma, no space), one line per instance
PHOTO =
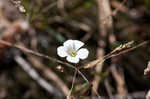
103,25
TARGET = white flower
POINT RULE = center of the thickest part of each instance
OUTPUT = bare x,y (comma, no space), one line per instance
71,50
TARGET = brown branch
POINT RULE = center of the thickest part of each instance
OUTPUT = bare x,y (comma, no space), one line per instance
148,95
119,78
105,26
108,89
147,69
117,75
35,53
119,7
94,62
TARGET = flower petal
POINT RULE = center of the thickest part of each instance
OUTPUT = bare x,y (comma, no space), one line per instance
61,51
78,44
73,59
83,53
68,43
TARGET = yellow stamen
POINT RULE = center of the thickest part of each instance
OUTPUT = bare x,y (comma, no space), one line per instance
73,54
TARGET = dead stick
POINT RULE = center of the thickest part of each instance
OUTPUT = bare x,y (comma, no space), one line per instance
35,53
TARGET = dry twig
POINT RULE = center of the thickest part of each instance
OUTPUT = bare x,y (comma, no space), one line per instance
147,70
108,88
35,53
94,62
148,95
119,78
105,26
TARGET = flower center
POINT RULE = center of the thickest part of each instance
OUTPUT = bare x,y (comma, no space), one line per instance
72,54
71,51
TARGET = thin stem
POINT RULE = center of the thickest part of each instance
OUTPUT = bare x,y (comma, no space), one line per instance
98,95
83,76
74,78
88,82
